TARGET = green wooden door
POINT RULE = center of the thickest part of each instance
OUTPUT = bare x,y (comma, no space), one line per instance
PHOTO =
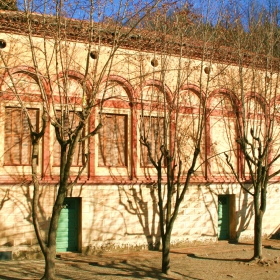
223,217
68,226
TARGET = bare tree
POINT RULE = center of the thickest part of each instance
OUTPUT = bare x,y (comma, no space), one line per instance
254,101
10,5
62,73
172,122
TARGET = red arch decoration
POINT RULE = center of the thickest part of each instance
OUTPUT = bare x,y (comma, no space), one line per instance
235,104
260,99
75,75
29,71
124,83
232,96
158,84
195,89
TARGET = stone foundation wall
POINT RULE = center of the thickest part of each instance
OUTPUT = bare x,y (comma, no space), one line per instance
120,217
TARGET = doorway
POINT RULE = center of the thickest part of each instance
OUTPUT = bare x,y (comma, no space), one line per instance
67,237
223,217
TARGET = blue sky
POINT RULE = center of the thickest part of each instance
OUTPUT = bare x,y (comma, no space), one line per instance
208,8
80,9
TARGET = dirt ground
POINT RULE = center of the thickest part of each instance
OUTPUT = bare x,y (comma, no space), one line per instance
208,262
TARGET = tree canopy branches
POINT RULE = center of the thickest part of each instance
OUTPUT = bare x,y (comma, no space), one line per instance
9,5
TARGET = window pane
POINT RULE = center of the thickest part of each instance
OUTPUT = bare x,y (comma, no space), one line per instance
17,121
15,149
25,126
113,141
78,156
17,136
26,150
152,128
222,136
69,121
255,124
187,126
8,149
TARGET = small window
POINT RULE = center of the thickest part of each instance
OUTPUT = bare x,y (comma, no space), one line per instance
154,62
17,136
112,149
93,55
70,121
3,44
207,70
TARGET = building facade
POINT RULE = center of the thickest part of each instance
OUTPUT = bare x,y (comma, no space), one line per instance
114,203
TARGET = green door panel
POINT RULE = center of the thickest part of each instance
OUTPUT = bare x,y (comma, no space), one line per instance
68,226
223,217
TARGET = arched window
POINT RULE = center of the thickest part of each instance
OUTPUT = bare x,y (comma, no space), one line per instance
16,88
17,143
69,96
113,94
113,138
255,129
69,91
153,124
189,128
222,133
21,85
275,134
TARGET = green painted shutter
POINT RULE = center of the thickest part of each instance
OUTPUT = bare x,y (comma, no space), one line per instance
223,217
68,226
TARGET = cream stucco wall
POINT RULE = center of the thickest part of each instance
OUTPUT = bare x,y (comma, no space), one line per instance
124,213
112,220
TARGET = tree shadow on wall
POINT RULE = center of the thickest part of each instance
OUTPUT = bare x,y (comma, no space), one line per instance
208,206
5,198
276,233
19,199
244,212
135,200
46,197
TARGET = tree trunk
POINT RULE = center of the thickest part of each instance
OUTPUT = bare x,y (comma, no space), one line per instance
50,264
258,234
50,253
165,268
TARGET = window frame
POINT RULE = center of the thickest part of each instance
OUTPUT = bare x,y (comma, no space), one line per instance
126,142
55,142
144,165
29,108
226,114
